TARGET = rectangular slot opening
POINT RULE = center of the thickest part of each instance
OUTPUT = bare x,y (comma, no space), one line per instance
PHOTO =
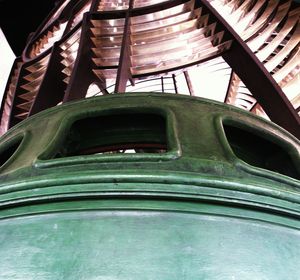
118,133
259,151
8,152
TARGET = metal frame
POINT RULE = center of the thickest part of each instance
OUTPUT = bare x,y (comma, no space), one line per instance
52,90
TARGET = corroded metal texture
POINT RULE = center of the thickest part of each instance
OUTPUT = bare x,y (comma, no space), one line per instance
136,187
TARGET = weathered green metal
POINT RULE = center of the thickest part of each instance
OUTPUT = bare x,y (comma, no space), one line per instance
196,211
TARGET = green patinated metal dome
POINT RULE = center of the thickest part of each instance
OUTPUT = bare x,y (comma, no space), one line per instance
173,196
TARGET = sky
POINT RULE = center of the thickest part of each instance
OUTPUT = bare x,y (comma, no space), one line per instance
7,58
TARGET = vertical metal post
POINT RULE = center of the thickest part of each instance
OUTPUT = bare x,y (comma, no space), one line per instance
124,74
175,83
189,83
